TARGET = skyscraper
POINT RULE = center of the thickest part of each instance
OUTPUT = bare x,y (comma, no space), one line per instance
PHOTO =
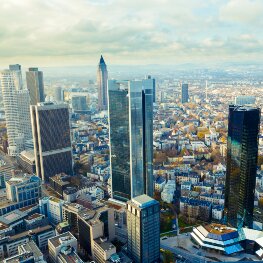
154,87
35,85
242,152
184,93
16,106
131,138
102,78
79,103
143,225
51,136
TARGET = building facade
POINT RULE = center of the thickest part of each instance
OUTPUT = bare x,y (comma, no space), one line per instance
143,225
35,85
131,138
51,136
242,153
16,106
184,93
102,78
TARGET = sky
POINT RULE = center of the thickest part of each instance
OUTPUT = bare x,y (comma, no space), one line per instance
131,32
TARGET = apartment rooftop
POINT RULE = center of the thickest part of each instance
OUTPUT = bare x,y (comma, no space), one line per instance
12,217
57,241
104,244
32,247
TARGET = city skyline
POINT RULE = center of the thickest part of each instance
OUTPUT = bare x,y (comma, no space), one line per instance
132,33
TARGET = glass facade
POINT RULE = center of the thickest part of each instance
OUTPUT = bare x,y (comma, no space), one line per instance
131,138
184,93
242,152
143,227
35,85
119,141
102,78
51,135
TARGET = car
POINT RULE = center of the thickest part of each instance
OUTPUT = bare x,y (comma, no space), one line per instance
164,238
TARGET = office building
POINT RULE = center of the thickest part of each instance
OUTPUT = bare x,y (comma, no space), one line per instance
26,161
58,94
154,87
79,103
51,207
51,136
245,100
242,153
63,248
131,138
35,85
23,189
143,224
16,106
184,93
102,78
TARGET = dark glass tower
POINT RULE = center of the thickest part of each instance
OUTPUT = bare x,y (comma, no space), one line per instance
242,152
102,78
184,93
143,227
35,85
131,138
51,136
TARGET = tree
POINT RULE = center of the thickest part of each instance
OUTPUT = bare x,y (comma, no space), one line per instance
168,257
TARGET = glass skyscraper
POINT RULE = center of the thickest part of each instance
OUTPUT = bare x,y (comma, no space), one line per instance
131,138
35,85
184,93
242,152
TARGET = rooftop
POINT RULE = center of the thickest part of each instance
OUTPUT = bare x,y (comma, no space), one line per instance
143,201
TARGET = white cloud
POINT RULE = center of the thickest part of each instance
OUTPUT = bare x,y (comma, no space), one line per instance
149,31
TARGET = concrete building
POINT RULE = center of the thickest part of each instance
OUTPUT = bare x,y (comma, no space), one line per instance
143,224
52,142
26,160
16,107
63,248
23,189
103,250
167,194
35,85
51,207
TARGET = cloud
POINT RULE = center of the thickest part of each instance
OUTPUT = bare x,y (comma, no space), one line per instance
248,12
59,32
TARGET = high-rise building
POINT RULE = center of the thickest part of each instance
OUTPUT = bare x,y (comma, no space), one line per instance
143,225
242,152
154,87
102,78
131,138
58,95
35,85
51,136
243,100
79,103
184,93
16,106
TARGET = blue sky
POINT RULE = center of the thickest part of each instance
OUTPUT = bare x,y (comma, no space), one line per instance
63,32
